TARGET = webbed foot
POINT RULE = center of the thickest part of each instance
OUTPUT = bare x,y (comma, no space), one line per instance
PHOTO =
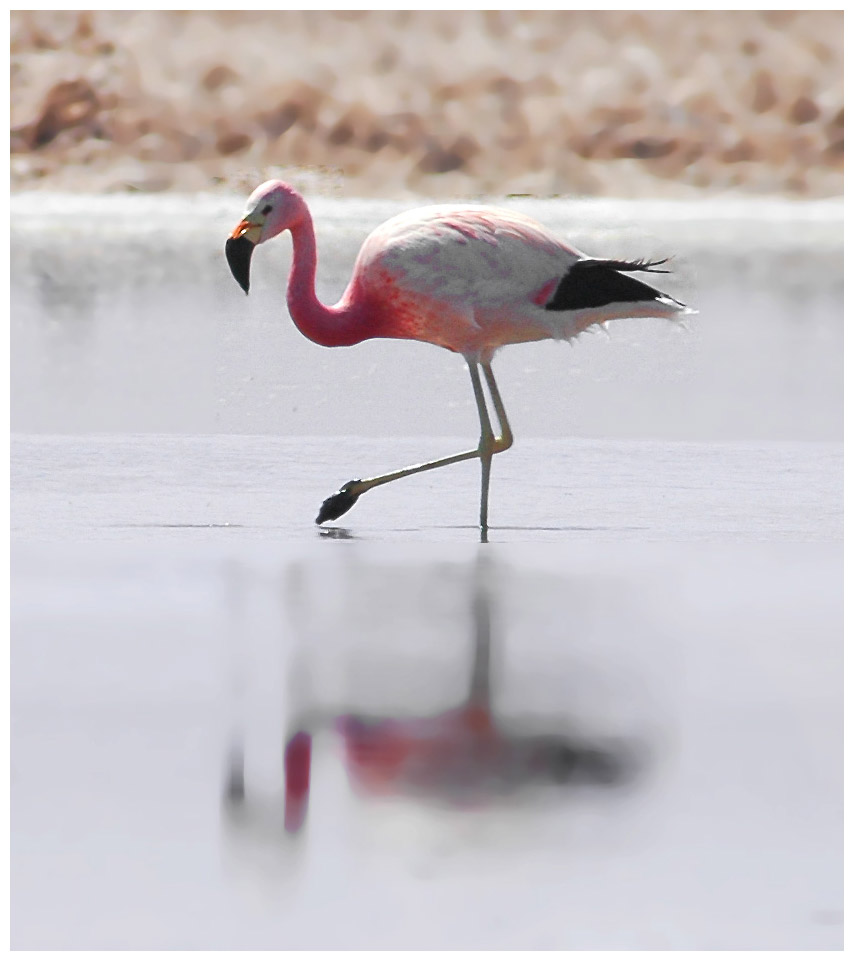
336,505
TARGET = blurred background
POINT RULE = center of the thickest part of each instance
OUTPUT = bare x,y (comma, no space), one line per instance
445,103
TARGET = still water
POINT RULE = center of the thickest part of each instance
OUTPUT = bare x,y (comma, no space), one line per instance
662,586
708,677
125,319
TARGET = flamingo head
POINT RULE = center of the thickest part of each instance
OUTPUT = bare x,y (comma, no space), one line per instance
273,207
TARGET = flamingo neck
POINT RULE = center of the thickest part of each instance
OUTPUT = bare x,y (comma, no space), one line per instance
338,326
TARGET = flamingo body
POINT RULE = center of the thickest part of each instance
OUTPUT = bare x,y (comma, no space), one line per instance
475,278
465,277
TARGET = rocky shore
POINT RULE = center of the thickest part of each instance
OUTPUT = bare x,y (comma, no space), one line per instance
430,103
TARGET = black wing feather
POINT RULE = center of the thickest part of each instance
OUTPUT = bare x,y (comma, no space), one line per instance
595,283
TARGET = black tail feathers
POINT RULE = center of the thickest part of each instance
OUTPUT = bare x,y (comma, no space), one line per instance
595,283
625,266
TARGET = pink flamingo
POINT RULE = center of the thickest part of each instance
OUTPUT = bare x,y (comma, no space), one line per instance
465,277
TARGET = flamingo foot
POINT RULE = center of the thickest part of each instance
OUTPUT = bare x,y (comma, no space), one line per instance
336,505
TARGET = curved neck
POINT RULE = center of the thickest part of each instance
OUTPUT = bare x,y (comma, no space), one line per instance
338,326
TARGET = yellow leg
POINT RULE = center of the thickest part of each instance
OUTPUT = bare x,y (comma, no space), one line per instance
338,504
485,449
505,439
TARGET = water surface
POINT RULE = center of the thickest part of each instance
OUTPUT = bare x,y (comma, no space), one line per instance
667,540
125,318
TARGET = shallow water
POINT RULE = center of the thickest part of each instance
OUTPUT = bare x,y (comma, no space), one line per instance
227,491
125,318
720,665
667,570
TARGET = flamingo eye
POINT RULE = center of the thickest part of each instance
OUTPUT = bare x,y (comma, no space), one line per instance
267,209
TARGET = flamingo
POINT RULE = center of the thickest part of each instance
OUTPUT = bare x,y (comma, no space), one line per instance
466,277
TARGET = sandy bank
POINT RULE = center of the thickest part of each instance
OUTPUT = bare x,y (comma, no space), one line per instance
402,103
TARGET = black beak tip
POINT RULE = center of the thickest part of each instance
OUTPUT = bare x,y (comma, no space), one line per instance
238,253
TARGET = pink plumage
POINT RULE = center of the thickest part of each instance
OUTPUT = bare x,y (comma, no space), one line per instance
467,278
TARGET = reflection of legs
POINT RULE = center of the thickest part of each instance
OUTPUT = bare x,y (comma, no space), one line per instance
333,507
235,592
235,784
297,772
479,691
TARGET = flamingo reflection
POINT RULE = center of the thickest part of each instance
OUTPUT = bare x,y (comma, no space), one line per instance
465,756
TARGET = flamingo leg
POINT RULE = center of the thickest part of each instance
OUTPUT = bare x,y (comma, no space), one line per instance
338,504
485,448
505,438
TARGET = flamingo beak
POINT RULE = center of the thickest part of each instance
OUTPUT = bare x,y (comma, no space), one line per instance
238,250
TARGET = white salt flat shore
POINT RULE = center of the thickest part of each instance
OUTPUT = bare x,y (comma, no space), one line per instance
734,220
